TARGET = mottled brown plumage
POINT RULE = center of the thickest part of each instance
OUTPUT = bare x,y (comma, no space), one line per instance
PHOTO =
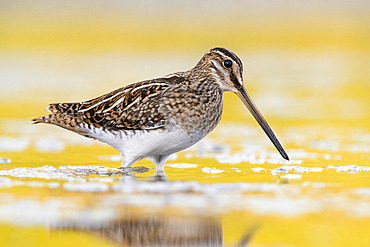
183,107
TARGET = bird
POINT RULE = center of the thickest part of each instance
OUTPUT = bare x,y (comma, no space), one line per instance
156,118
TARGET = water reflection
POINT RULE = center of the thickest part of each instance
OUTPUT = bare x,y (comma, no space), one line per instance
156,230
133,174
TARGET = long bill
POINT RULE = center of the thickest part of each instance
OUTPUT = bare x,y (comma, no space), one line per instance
244,96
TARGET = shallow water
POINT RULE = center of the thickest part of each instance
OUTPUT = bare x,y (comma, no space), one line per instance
59,189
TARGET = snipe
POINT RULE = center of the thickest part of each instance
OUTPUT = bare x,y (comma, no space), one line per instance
159,117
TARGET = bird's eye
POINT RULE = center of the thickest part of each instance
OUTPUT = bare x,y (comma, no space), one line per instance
228,63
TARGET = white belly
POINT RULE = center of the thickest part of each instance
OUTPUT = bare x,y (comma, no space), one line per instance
139,144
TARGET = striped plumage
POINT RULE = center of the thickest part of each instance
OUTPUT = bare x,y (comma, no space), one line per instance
155,118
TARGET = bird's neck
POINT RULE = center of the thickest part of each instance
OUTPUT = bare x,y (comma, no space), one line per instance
202,80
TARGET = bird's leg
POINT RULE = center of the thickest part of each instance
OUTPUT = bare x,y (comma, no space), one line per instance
127,162
160,161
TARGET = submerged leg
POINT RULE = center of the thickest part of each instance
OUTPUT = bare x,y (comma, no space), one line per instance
127,162
160,161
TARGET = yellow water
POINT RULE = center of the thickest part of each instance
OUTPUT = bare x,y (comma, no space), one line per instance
310,79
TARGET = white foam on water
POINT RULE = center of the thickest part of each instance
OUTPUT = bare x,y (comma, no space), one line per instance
211,170
301,169
46,172
183,165
258,169
279,170
291,176
88,168
76,173
298,169
349,168
68,173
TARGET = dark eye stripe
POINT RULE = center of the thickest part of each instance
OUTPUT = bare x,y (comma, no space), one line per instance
229,54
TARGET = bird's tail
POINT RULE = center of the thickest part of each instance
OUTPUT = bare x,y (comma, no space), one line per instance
44,119
48,118
61,119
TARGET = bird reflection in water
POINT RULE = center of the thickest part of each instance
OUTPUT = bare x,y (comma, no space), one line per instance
156,230
126,173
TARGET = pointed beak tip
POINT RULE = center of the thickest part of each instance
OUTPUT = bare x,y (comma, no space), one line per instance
245,98
285,156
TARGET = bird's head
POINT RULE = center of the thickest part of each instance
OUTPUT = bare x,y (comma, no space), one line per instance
225,67
227,70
